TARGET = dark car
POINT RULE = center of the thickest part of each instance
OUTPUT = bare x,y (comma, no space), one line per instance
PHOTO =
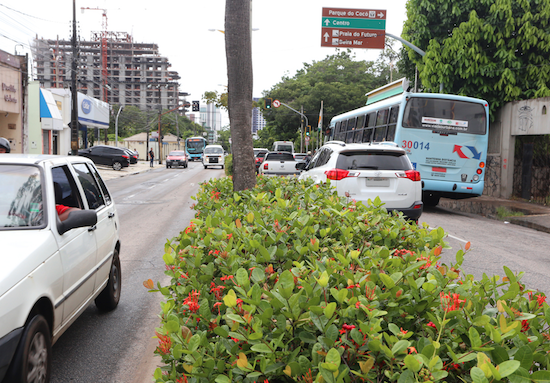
176,158
133,156
118,158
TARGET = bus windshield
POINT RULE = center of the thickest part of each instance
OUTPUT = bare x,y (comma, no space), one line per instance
445,116
195,146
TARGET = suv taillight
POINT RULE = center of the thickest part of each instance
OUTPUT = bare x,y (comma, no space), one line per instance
125,156
266,167
339,174
413,175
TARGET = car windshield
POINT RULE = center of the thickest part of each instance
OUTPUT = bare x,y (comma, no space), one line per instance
20,197
372,160
213,150
279,157
177,154
261,154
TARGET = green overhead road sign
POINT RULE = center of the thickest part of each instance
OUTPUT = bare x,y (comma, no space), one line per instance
340,22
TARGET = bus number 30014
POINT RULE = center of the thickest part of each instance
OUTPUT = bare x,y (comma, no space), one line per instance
416,145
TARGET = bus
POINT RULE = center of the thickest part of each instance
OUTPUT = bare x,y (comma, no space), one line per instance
194,146
444,135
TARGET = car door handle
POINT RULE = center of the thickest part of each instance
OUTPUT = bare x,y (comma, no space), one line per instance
92,228
111,215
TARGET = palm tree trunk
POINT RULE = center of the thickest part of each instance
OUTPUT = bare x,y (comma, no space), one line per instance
238,49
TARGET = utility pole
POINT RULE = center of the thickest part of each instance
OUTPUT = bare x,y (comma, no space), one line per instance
302,131
159,139
74,109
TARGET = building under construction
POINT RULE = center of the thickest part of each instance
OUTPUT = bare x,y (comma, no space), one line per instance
112,68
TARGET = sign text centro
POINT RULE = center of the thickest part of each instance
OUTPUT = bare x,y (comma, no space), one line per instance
353,28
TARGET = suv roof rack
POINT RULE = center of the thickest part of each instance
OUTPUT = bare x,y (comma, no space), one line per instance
341,143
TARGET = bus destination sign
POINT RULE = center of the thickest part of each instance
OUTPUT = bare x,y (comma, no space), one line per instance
353,28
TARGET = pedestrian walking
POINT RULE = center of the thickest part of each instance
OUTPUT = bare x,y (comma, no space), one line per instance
151,156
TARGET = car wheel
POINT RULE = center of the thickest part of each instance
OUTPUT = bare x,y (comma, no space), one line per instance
222,166
108,299
117,165
205,166
167,166
32,360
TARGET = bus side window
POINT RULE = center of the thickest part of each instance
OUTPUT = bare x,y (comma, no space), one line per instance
359,128
390,134
369,123
336,131
343,128
351,130
381,125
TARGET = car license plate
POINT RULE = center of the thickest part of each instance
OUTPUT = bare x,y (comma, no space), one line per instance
378,182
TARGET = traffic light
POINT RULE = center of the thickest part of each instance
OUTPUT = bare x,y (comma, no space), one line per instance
308,128
268,103
196,106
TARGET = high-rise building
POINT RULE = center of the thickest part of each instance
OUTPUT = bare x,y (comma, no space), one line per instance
258,121
134,74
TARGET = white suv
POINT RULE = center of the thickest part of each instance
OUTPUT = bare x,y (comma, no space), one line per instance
59,249
365,171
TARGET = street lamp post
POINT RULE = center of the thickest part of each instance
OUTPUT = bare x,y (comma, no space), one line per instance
116,125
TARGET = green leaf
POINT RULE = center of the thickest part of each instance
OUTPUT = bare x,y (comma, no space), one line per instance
406,377
333,356
172,326
236,318
221,332
508,368
400,346
478,376
255,336
386,279
541,376
307,337
525,356
329,310
474,337
481,321
412,363
242,277
261,347
222,379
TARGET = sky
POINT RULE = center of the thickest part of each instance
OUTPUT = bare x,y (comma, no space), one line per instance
288,33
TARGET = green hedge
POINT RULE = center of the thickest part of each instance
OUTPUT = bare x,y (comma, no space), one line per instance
289,282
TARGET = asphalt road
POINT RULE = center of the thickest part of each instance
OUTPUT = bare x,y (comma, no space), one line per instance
117,347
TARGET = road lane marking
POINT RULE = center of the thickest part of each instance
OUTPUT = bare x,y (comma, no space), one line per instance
451,236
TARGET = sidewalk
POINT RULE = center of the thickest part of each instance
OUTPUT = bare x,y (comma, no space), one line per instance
108,173
535,216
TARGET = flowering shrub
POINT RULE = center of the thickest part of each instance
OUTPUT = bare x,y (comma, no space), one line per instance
289,282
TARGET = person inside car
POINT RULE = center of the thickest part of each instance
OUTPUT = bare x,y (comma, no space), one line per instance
63,211
4,145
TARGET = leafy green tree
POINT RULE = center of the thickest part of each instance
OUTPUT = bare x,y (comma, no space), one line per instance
495,50
338,80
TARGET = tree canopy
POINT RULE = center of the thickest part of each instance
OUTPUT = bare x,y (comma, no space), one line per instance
339,81
495,50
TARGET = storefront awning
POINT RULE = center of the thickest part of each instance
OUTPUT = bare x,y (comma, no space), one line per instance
50,116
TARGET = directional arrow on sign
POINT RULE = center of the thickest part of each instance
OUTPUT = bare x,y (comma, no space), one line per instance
381,15
327,22
326,36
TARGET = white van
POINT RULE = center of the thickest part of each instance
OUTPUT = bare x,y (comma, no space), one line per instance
283,146
213,155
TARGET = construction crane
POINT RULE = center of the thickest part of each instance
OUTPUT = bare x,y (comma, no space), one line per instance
103,50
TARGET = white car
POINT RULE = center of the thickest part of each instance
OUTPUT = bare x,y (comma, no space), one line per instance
366,171
59,252
213,155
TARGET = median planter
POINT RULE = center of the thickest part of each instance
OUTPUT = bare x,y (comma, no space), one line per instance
289,282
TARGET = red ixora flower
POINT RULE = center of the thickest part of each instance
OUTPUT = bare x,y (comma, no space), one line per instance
431,324
192,301
451,302
525,326
165,342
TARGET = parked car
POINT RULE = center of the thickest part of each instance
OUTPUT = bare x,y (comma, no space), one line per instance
279,164
213,156
259,158
176,158
258,150
133,156
118,158
60,252
300,157
366,171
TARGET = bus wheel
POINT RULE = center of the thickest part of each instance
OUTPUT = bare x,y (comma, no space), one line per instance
430,199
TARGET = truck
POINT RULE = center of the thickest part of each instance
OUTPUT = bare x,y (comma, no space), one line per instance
279,164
